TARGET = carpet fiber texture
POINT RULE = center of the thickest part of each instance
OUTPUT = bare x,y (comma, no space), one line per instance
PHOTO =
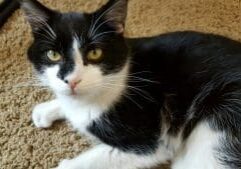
22,146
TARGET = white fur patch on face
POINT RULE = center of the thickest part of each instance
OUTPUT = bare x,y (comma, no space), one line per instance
76,74
55,83
88,77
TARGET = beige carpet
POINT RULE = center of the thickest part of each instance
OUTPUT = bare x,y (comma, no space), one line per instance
23,146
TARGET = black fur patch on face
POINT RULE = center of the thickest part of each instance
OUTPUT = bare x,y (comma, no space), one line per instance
57,31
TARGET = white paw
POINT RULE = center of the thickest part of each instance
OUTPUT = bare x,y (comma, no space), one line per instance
41,116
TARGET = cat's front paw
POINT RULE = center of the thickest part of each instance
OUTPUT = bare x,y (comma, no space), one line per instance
41,117
45,114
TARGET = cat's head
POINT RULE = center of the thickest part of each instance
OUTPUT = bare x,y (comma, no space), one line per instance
78,53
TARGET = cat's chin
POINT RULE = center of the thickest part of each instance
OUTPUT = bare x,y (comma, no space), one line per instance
70,93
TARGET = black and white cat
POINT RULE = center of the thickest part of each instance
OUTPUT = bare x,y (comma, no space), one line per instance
143,101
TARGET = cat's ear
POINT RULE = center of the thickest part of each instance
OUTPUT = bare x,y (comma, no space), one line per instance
114,13
36,13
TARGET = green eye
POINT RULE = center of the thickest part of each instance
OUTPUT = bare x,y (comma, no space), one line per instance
53,56
95,55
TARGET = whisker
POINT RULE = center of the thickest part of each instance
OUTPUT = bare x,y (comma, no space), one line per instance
109,86
141,92
133,78
101,24
146,71
91,25
128,97
124,95
97,42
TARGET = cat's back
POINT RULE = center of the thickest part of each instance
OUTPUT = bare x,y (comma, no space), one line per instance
188,53
189,43
186,62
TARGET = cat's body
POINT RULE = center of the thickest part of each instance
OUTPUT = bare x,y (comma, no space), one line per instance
143,101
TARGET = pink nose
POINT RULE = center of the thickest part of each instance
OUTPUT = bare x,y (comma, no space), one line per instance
73,84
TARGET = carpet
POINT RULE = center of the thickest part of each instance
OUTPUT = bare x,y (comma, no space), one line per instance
22,146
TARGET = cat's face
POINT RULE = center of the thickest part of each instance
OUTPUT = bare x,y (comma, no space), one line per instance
77,53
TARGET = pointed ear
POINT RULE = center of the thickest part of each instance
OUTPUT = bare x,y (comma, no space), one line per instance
114,12
37,14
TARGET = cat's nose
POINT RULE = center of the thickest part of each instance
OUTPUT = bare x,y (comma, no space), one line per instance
73,84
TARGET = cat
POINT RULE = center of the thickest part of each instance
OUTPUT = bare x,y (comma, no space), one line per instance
142,101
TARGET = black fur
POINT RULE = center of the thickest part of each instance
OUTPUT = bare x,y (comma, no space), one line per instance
230,151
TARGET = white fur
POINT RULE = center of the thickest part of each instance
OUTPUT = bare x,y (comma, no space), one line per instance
198,152
46,113
106,157
78,72
56,84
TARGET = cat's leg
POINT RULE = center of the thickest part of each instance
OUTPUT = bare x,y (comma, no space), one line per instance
46,113
199,150
106,157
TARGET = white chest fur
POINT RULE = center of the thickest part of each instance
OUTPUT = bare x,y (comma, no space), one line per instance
79,113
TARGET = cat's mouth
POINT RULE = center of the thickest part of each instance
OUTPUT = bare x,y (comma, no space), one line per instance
76,92
73,92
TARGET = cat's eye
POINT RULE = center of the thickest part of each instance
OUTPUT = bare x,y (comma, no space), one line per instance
95,55
53,56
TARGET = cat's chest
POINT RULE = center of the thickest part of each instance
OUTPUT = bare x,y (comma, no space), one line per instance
80,114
